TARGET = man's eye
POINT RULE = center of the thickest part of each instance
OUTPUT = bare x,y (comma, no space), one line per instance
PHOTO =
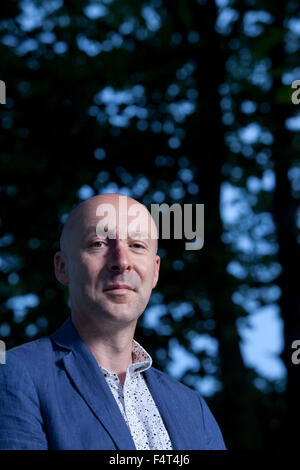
98,243
138,245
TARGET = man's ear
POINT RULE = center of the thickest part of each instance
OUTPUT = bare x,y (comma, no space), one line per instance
60,266
156,272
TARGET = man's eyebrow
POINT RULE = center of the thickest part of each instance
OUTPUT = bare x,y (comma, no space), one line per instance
92,230
138,235
89,230
132,234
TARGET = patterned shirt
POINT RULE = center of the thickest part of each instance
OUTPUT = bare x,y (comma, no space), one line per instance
137,405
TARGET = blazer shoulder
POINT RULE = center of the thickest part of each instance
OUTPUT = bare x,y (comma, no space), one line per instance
30,348
32,355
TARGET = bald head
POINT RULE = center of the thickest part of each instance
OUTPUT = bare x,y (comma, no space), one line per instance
109,211
108,261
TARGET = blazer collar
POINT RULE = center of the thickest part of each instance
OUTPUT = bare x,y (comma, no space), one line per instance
89,381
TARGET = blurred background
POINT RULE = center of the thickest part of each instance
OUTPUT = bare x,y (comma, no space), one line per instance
186,101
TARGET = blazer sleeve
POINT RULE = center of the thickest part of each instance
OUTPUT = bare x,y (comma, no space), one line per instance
214,438
21,423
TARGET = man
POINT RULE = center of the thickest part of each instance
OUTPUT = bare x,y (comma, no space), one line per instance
90,385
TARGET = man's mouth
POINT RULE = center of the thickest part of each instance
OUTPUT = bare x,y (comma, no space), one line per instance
118,288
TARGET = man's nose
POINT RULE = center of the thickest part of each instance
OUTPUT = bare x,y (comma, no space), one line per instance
118,258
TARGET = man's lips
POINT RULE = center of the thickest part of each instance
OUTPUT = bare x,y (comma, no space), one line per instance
118,287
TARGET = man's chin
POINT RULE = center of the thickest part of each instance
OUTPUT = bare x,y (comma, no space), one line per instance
119,296
114,306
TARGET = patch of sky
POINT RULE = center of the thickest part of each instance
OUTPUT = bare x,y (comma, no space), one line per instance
20,304
151,17
248,107
250,133
123,175
266,274
225,19
85,192
158,196
186,175
294,177
237,270
254,21
181,359
233,203
174,142
99,153
9,40
260,76
95,10
203,342
111,187
102,177
140,187
60,47
173,90
293,123
294,25
127,26
9,262
181,309
6,240
181,110
28,45
89,46
262,341
46,37
32,15
208,385
5,330
288,77
153,314
185,70
177,191
112,99
253,133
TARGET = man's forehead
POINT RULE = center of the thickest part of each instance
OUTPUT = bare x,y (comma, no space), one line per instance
117,214
131,219
116,231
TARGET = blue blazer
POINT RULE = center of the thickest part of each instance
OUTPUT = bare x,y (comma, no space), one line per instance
53,395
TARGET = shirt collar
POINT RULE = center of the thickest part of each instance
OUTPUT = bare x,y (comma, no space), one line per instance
141,360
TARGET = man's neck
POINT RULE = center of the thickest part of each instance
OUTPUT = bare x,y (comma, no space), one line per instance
111,347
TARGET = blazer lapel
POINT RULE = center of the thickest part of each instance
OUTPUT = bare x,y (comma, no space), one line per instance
89,381
168,403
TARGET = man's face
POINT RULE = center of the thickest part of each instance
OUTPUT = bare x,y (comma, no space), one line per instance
108,278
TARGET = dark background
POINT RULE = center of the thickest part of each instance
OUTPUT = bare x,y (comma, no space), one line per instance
166,101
